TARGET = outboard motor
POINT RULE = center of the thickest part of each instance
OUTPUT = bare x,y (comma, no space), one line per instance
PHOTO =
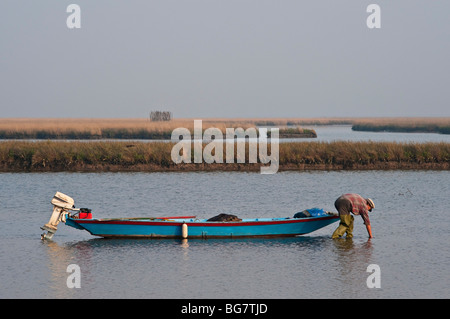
61,205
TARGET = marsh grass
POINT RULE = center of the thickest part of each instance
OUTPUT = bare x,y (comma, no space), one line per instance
115,155
370,154
155,156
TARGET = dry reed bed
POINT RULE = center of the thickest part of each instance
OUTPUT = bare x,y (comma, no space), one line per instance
22,128
138,156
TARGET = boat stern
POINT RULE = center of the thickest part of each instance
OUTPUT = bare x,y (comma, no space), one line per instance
62,205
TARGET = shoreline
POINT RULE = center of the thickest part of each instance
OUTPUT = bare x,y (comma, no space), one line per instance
232,168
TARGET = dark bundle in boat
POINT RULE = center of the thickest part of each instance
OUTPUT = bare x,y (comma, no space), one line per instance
225,218
314,212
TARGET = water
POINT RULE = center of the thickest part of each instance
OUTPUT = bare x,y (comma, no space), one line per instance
329,133
410,226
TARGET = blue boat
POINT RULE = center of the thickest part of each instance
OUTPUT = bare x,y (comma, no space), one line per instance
184,226
200,228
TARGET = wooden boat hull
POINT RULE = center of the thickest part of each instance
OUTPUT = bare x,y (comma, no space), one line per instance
194,228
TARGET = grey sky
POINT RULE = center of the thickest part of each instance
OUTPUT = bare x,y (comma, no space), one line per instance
224,58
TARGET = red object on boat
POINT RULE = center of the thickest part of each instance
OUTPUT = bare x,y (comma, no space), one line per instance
85,213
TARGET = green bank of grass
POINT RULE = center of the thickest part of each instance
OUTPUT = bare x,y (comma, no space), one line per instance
55,155
138,156
403,127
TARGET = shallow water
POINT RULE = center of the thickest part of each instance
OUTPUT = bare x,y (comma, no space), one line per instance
410,226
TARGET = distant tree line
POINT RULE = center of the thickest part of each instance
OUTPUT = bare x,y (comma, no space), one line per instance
160,116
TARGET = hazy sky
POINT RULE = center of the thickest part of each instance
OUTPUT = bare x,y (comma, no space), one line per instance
224,58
